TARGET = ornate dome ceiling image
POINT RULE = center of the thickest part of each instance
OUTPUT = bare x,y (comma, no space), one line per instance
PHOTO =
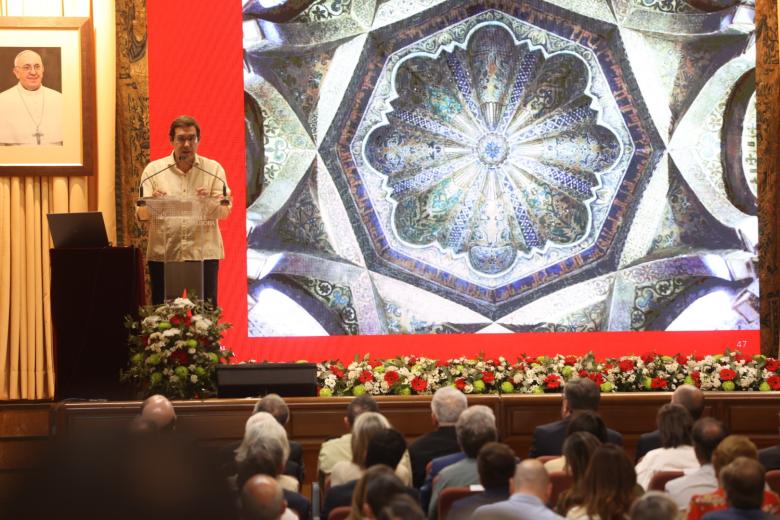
423,166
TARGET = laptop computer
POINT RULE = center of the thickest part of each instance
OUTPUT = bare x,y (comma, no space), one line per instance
78,230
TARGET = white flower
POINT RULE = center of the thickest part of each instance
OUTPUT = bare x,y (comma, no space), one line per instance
151,321
194,378
171,333
183,302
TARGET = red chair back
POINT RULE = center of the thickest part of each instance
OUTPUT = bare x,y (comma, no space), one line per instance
450,495
339,513
773,480
660,478
561,481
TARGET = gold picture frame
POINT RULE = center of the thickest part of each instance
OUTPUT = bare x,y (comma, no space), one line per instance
66,44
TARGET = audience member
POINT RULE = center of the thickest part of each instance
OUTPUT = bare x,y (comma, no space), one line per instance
475,427
676,453
654,505
159,411
496,466
275,405
402,507
364,429
707,433
743,482
728,451
336,450
446,406
579,394
531,490
380,490
262,499
585,421
386,448
688,396
770,457
578,449
609,486
264,435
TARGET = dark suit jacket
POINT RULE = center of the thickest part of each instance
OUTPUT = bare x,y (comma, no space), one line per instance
770,457
463,508
548,438
437,465
298,503
647,442
338,496
431,445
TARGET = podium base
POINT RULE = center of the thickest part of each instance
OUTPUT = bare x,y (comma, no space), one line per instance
169,279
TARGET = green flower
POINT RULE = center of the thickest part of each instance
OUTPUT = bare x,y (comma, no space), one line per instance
164,325
764,387
137,359
404,390
667,359
606,386
728,386
155,378
154,359
325,392
567,371
358,390
689,381
507,387
200,371
647,383
380,369
537,390
182,372
479,386
213,357
192,343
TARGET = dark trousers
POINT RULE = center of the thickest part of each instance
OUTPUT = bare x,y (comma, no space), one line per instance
210,279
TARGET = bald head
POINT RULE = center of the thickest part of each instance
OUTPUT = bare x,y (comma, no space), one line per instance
691,398
532,479
262,498
159,411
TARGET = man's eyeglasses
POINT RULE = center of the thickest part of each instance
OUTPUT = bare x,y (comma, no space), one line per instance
29,68
184,138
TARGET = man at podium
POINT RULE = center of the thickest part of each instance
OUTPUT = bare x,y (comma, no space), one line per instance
181,177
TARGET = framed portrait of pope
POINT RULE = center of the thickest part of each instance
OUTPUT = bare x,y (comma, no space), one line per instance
47,97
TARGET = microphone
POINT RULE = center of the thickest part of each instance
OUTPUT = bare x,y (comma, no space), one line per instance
141,201
225,201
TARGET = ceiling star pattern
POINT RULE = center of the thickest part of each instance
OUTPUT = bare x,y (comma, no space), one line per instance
444,167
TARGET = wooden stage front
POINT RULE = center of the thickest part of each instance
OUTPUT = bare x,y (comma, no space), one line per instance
26,429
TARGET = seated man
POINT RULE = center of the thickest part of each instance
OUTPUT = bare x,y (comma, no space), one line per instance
770,457
336,450
743,482
532,489
446,406
275,405
707,434
579,394
654,505
158,411
475,428
262,499
690,398
496,466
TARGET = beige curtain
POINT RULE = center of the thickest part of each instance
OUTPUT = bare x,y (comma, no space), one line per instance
26,341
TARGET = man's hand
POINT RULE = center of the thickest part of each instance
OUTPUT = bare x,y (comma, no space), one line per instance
203,191
159,193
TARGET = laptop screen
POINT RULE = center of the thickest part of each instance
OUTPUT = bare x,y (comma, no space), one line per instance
78,230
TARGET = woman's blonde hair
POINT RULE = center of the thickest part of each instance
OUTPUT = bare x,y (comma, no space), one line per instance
366,426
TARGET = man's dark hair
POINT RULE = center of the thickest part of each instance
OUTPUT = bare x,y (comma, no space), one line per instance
386,447
743,481
588,421
402,506
707,434
674,425
183,122
582,394
275,405
496,465
360,404
382,489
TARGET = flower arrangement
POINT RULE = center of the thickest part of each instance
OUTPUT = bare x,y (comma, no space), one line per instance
407,375
174,349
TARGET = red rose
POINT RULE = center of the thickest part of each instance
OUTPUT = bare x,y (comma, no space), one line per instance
608,367
412,360
774,382
740,357
648,357
583,373
419,384
552,381
180,357
442,363
488,377
726,374
365,376
391,376
682,360
569,360
337,371
531,360
658,383
596,378
772,364
626,365
460,384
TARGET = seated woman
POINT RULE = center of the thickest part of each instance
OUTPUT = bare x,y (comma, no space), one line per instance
609,486
578,448
730,449
676,452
